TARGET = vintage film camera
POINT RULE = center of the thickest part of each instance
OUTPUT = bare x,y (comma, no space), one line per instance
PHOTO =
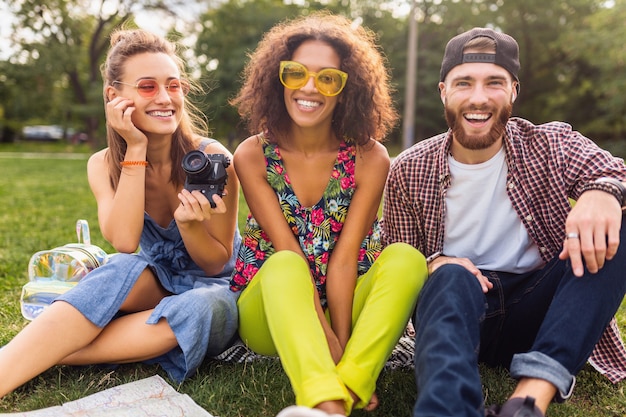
206,173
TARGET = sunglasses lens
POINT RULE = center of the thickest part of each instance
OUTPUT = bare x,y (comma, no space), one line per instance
147,88
329,82
178,87
293,75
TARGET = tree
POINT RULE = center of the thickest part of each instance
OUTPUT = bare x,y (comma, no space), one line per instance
61,46
538,26
54,74
596,60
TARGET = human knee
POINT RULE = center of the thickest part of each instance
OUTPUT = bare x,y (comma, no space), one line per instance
409,256
407,263
282,268
455,275
451,291
452,282
209,302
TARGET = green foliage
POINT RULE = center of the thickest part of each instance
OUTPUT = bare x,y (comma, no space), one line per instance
571,52
55,73
598,52
537,26
229,34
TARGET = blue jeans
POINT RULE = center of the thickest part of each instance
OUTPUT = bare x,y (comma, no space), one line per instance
543,324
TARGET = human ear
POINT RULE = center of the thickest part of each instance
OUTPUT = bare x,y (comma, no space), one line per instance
110,93
442,92
515,92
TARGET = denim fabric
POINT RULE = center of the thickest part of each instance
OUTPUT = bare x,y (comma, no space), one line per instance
450,309
204,320
202,311
542,324
539,365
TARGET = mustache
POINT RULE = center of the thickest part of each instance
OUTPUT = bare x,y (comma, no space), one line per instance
484,108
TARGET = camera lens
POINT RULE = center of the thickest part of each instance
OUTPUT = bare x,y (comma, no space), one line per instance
194,162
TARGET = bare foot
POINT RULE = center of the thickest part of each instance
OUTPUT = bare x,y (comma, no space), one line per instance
372,404
332,407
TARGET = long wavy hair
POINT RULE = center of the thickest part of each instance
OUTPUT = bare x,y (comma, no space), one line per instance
126,43
365,110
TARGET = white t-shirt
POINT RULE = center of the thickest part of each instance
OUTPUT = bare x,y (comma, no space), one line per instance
481,224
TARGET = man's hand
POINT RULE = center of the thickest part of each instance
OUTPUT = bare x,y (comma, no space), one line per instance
592,232
485,284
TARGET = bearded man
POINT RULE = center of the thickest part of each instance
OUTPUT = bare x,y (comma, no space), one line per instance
517,276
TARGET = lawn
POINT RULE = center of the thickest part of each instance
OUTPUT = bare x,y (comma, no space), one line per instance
41,199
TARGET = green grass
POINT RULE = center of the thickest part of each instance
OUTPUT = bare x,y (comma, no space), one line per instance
40,201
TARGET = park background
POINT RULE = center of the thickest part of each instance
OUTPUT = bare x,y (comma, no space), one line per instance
572,52
573,59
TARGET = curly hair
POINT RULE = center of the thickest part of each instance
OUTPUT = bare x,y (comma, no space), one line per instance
126,43
365,110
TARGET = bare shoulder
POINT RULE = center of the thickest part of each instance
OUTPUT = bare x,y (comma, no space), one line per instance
97,166
98,173
98,158
249,149
217,147
373,155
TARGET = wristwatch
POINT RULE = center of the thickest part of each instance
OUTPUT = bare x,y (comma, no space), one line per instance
610,185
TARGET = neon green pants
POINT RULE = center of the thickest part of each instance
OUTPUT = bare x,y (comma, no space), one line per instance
277,316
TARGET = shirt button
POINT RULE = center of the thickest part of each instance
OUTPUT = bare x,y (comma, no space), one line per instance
543,249
529,218
511,185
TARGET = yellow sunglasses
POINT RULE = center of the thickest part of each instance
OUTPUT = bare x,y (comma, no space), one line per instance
329,81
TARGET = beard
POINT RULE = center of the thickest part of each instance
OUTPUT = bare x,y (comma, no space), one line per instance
479,142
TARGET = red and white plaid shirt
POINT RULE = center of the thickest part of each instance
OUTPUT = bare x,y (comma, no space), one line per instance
547,164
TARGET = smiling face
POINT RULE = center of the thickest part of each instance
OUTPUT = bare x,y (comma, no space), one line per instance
307,107
478,101
161,113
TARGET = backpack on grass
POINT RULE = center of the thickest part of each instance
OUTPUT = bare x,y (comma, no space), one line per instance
53,272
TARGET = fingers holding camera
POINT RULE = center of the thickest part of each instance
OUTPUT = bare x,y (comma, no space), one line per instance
220,205
196,207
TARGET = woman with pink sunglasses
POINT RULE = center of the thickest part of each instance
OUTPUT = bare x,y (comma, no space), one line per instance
169,303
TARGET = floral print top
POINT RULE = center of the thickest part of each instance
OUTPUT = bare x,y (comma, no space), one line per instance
317,228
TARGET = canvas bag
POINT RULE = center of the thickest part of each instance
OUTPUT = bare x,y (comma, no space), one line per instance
53,272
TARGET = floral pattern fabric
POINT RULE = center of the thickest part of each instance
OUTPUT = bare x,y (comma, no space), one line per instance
317,228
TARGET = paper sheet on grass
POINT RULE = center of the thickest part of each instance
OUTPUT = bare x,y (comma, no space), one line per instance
149,397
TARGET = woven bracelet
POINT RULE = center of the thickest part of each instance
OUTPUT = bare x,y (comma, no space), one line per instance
606,187
134,163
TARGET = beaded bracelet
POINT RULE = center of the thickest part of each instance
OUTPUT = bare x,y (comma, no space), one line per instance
134,163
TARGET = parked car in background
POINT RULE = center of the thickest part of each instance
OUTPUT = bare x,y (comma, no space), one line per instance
42,132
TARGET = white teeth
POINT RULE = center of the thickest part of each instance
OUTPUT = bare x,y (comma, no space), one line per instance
475,116
161,113
306,103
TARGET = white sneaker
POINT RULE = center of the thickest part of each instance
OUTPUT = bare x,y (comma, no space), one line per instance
299,411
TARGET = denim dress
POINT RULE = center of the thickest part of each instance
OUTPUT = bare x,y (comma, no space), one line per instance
202,311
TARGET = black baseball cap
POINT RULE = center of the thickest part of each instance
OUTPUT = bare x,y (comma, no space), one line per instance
506,56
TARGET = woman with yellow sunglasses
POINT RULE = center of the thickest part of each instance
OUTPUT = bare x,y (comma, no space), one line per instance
317,288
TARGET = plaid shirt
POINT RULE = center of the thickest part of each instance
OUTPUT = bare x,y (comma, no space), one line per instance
547,166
